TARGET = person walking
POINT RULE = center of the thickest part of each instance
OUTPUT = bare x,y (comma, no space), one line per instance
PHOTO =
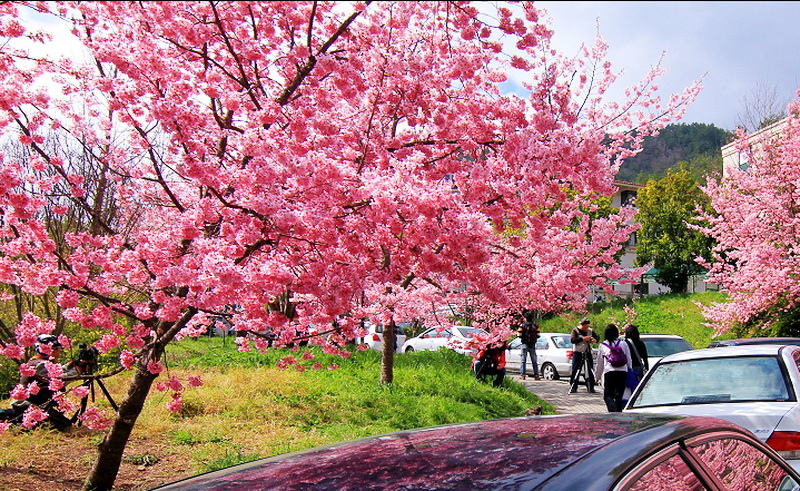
613,363
639,360
582,337
528,334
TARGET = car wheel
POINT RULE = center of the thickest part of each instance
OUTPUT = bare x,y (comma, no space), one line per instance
409,350
549,372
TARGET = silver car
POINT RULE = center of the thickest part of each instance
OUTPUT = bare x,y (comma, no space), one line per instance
553,353
754,386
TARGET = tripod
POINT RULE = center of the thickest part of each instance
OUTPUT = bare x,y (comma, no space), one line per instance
90,382
584,372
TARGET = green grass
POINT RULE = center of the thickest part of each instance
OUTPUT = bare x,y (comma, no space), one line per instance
666,314
317,406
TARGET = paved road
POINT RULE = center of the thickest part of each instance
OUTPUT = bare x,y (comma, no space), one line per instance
556,392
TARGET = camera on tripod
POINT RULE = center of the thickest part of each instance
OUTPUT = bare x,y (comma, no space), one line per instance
86,361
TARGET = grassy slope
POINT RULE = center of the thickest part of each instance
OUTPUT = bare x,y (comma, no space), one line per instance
667,314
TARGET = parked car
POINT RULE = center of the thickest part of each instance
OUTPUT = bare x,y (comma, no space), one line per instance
736,342
454,337
661,345
374,337
553,354
754,386
590,452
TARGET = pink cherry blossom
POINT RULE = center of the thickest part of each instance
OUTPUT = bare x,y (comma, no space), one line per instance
297,176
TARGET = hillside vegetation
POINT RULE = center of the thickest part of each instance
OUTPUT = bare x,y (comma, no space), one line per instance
664,314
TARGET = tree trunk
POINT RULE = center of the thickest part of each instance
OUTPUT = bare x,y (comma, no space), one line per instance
113,445
387,354
110,450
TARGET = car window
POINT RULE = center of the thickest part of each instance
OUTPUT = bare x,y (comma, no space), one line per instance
665,346
708,380
468,332
671,474
563,342
541,344
739,465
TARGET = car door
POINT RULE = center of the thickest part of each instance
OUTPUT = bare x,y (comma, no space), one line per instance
433,339
716,461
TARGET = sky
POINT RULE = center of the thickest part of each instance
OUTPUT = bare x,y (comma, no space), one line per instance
737,48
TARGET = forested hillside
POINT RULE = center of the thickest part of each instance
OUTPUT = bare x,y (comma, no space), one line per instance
675,143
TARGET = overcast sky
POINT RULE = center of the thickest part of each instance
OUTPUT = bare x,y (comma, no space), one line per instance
738,46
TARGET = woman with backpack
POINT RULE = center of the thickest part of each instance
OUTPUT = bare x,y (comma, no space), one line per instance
612,366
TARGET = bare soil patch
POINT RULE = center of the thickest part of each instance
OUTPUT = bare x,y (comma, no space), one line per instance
55,461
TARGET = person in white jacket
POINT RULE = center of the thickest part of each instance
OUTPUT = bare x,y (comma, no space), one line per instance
611,370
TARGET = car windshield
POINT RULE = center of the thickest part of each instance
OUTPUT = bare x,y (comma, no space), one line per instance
468,332
562,342
709,380
665,346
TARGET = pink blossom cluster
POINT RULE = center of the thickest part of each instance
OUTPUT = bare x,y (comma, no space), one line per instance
298,167
756,223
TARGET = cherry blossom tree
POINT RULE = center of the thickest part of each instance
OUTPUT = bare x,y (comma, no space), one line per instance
300,166
756,220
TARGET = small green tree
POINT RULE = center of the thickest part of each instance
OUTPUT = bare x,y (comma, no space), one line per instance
666,209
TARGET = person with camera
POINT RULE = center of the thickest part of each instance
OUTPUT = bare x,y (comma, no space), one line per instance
34,371
491,360
582,337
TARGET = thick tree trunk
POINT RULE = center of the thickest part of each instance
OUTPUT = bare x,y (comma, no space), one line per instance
113,445
387,354
110,450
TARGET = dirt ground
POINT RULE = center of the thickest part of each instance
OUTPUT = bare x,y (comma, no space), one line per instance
64,463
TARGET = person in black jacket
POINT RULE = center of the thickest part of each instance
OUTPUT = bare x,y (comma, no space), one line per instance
638,350
528,334
582,337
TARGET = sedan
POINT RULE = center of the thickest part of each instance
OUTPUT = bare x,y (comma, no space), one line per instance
374,337
661,345
454,337
754,386
590,452
553,353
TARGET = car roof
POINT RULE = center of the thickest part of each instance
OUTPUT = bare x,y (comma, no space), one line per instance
547,452
762,340
651,335
726,351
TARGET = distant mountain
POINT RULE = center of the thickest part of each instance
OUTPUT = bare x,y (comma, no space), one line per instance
675,143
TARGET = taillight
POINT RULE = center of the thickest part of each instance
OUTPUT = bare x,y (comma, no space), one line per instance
784,440
569,354
376,337
786,443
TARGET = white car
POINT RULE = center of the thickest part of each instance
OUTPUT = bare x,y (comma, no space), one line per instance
553,354
753,386
374,337
454,337
661,345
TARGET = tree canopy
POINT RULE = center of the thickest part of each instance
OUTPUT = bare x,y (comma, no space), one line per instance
756,221
297,167
667,211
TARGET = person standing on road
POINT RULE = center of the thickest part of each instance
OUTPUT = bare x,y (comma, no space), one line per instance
612,369
582,337
528,334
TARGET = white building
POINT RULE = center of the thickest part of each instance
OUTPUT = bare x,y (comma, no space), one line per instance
733,158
